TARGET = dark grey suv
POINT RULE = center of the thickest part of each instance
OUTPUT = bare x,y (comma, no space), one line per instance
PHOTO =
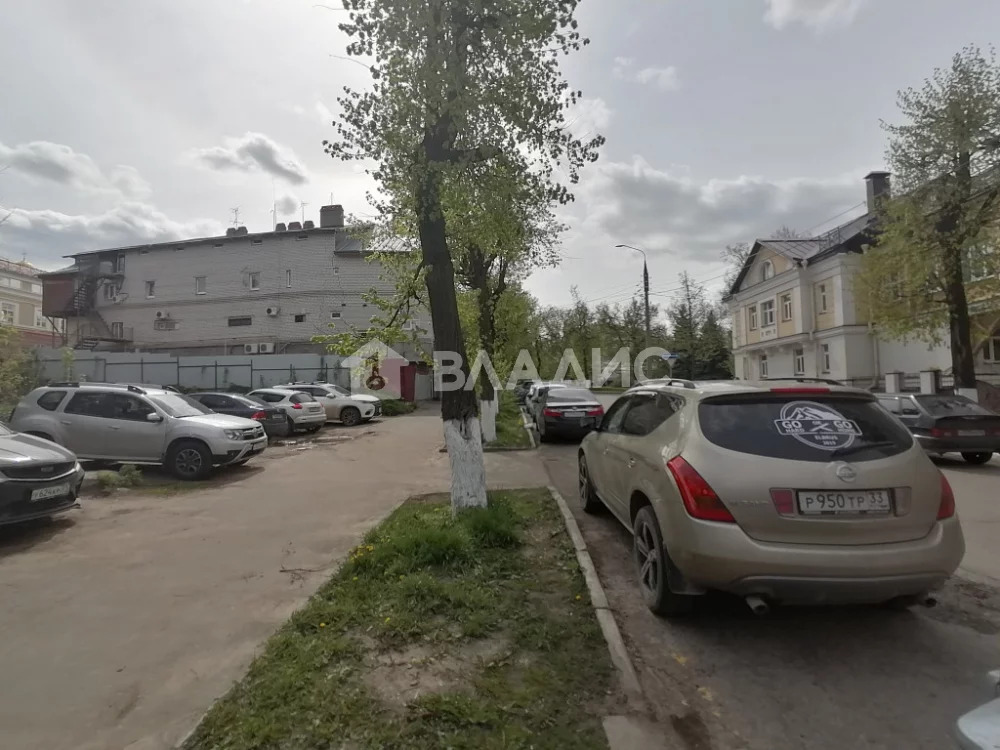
37,478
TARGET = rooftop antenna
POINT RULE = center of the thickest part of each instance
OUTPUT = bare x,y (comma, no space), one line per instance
236,216
302,206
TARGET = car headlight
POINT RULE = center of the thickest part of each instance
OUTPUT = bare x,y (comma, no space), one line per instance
234,434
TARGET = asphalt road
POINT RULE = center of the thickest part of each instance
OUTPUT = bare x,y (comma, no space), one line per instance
829,679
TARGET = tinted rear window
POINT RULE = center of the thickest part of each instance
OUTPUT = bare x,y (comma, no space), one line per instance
824,428
50,400
945,406
570,394
301,398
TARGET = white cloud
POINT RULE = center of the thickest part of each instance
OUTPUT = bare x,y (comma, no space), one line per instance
665,79
45,235
45,161
287,204
325,115
589,117
253,152
817,14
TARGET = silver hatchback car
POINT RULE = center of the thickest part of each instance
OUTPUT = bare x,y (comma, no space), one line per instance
798,493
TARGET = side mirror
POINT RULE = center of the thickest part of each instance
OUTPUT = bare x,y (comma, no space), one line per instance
153,417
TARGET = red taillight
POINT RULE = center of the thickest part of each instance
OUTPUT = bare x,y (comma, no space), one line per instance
258,416
551,413
799,389
947,507
598,412
939,432
784,502
296,406
699,498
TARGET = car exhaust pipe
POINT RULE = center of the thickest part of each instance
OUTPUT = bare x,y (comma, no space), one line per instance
757,605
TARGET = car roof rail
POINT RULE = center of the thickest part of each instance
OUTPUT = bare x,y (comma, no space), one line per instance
59,384
826,381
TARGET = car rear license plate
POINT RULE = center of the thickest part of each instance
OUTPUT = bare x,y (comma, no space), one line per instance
574,413
822,502
46,492
972,433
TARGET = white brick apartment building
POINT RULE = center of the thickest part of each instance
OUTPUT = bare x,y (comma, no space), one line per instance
795,312
265,292
21,303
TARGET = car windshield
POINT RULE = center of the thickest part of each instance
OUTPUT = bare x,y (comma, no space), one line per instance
179,405
570,394
810,428
946,406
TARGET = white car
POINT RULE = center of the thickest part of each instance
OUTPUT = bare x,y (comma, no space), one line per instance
301,410
340,405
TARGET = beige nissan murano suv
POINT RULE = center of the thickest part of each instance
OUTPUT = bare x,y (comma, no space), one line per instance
779,492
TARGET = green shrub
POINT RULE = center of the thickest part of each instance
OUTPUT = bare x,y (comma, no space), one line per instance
395,407
492,527
129,476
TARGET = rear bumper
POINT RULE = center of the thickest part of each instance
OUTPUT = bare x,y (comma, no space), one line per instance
722,556
959,445
569,426
309,419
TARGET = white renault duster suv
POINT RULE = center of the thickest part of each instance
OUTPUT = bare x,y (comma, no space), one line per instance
138,425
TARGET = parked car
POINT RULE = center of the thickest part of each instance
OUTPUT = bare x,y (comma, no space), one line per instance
302,411
521,389
339,403
535,392
567,412
979,729
271,418
947,424
777,493
128,424
38,478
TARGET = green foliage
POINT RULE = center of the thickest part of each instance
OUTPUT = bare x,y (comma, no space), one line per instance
128,476
18,369
941,233
396,407
510,425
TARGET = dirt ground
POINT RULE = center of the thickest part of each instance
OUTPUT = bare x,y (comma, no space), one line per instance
123,621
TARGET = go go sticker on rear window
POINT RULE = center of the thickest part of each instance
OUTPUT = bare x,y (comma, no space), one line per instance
816,425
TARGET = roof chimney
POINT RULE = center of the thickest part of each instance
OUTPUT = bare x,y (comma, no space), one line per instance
331,216
280,227
242,230
294,226
878,189
309,224
230,231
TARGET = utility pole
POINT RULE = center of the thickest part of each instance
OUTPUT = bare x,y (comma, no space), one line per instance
645,287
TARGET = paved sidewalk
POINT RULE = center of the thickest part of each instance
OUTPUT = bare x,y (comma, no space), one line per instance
123,624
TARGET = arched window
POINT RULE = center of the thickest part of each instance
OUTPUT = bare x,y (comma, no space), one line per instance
766,270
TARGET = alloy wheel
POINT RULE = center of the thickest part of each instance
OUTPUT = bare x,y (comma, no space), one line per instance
648,558
188,462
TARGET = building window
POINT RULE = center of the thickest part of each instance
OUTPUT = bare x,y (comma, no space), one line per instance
288,278
244,320
39,319
786,307
824,351
821,299
753,317
767,313
335,314
200,284
800,362
301,318
257,242
150,289
120,263
8,312
254,280
763,365
26,286
118,330
991,349
766,270
164,324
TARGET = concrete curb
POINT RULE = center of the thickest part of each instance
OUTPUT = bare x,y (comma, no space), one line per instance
529,430
605,617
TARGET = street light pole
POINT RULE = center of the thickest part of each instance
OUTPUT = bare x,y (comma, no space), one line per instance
645,286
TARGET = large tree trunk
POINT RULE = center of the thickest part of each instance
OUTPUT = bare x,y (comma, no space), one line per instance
462,435
963,363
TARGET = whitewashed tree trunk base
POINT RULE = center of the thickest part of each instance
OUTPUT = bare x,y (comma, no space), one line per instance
463,438
488,416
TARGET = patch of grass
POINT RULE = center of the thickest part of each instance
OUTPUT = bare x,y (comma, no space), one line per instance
510,424
128,476
464,632
396,407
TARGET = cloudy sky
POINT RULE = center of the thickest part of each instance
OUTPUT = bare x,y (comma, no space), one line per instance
151,119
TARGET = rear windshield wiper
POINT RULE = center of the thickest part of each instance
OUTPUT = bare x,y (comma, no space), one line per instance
858,447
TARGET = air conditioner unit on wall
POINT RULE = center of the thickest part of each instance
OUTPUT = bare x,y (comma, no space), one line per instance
273,311
266,348
251,348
